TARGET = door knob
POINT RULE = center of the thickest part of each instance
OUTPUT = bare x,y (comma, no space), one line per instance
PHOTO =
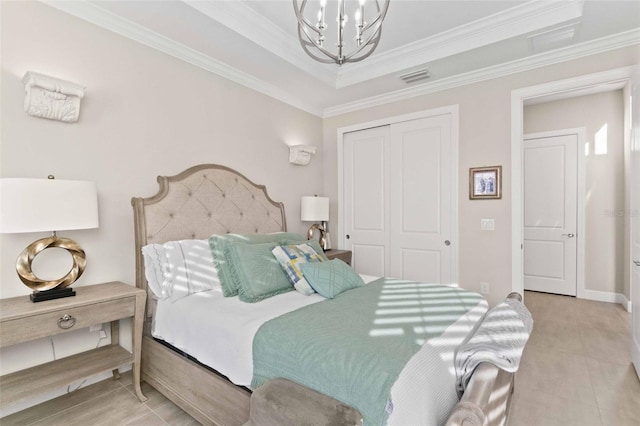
569,235
348,236
636,262
447,243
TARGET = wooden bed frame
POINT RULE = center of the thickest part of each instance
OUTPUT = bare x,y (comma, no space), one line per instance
213,199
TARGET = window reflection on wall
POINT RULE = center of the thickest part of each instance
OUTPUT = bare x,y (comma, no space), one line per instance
600,147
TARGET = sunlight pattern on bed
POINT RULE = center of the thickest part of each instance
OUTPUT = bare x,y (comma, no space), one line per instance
353,349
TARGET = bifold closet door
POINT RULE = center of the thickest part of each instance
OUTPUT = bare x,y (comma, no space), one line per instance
397,186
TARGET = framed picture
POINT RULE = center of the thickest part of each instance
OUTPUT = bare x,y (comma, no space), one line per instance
485,183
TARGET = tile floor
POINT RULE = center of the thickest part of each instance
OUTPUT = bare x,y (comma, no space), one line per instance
576,370
107,403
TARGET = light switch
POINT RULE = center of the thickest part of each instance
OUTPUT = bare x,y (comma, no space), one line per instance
487,224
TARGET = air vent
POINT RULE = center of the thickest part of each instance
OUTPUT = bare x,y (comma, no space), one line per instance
414,76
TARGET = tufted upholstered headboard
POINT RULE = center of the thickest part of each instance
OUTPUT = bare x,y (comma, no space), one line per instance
202,200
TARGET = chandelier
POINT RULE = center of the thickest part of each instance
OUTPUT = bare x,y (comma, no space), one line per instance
366,35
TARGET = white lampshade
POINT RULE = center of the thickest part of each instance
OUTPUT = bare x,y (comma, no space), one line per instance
314,209
39,205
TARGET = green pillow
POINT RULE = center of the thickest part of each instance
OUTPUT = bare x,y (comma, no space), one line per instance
331,278
257,272
219,246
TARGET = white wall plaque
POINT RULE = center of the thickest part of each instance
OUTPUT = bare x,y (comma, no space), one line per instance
50,97
301,154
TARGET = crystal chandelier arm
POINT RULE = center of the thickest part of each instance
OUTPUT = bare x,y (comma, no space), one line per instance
341,24
372,44
310,42
305,26
373,39
360,21
379,18
303,20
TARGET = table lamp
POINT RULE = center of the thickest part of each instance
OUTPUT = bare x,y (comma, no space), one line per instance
316,209
41,205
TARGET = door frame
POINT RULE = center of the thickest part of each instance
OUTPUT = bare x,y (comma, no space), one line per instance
453,111
633,133
609,80
581,133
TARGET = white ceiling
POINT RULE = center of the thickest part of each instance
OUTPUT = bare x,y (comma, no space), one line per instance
254,42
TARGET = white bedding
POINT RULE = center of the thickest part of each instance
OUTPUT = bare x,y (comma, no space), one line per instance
419,395
230,325
425,391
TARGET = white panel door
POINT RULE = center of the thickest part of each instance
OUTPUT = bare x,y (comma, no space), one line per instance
550,213
365,189
398,199
420,182
635,221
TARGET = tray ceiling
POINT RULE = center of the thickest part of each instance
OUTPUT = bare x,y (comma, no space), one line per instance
254,43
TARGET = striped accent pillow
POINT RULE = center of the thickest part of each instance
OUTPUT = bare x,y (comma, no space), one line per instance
291,257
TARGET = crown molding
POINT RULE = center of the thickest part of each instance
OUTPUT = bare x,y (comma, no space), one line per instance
516,21
616,41
112,22
245,21
103,18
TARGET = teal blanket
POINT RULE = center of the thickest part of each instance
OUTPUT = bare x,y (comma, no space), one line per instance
354,347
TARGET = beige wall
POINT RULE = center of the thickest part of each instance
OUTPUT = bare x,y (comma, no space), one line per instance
144,114
604,181
485,140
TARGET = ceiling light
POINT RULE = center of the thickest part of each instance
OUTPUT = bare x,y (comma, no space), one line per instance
313,37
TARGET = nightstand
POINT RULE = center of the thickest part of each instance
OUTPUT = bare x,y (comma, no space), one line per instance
22,320
344,255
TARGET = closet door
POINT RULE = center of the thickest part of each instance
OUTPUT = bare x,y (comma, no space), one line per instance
366,207
398,200
420,200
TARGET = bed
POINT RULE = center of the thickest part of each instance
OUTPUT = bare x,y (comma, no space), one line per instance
213,199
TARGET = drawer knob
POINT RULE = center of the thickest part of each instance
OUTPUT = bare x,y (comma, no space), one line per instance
66,321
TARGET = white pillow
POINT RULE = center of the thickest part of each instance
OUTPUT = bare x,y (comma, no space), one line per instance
177,269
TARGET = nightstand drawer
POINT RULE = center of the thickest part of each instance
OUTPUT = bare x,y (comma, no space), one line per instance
51,323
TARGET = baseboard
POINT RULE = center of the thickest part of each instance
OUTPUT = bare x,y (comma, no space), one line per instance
627,303
605,296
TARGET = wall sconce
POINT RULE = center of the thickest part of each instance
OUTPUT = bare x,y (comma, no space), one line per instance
301,154
52,98
38,205
316,209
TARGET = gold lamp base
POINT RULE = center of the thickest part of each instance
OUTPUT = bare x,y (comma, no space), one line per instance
323,234
26,275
